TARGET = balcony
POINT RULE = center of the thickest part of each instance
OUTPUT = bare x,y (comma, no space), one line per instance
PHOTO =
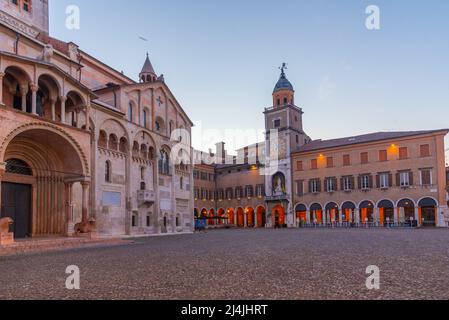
146,196
279,197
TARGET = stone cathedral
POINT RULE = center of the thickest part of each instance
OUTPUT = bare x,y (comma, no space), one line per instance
81,143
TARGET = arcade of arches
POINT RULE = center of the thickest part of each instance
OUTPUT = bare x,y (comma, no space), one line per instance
384,213
241,217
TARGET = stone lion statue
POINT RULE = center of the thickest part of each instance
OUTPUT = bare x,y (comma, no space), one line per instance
4,224
85,227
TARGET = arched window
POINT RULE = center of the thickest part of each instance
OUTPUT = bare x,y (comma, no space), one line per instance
144,118
181,183
142,173
16,166
108,171
143,151
103,140
113,142
130,112
136,149
164,163
158,125
177,221
143,186
123,145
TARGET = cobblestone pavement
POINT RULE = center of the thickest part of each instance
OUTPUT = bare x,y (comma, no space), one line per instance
243,264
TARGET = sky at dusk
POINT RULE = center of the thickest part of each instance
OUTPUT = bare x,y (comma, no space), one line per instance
221,59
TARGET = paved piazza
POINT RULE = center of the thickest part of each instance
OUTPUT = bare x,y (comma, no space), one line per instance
243,264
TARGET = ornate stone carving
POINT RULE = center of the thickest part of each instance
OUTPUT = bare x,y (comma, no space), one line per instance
18,25
4,225
48,52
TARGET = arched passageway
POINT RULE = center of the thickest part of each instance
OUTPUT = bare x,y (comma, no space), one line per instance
240,218
301,214
230,214
366,212
261,217
250,218
316,213
386,212
332,213
405,211
427,212
348,212
278,214
42,167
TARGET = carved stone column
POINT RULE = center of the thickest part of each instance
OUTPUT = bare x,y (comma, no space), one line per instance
69,209
34,89
63,100
2,75
53,109
24,92
85,200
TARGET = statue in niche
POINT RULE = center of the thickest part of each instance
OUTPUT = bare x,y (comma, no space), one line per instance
278,187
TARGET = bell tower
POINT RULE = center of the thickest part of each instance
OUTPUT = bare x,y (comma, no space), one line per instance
147,74
284,134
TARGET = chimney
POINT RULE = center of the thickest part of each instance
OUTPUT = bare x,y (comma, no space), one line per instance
221,153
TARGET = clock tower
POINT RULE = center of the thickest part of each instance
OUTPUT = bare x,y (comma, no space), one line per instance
284,134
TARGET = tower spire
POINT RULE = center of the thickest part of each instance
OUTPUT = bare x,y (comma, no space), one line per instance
147,74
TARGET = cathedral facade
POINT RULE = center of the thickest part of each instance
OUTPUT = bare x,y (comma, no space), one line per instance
82,146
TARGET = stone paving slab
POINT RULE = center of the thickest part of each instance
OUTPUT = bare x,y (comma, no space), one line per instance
243,264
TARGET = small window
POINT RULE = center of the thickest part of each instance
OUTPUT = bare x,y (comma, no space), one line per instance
330,162
426,177
299,166
177,222
346,160
330,185
144,118
365,182
181,183
108,172
404,179
277,123
384,181
134,220
383,155
424,150
26,5
348,183
130,113
315,186
158,126
364,157
148,220
403,153
314,164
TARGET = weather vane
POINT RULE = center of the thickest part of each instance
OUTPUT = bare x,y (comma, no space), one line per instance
284,67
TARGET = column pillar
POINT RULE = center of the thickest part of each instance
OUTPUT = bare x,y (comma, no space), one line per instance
85,201
69,209
376,216
308,217
357,215
245,219
324,216
77,119
53,109
88,107
2,74
63,100
314,216
2,171
24,92
396,213
34,89
417,216
340,216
